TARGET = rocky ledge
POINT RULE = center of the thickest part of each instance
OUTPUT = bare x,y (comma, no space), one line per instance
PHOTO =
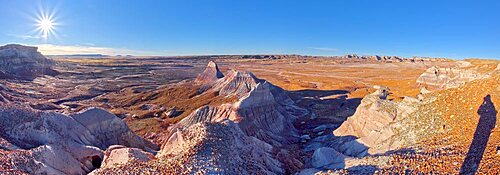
23,62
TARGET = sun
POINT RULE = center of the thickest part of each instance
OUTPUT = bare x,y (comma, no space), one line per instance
46,25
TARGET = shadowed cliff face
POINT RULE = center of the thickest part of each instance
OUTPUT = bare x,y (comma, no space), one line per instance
487,120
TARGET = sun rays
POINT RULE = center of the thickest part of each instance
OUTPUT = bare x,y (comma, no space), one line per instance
46,24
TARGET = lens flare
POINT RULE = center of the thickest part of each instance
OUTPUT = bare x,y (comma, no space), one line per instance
46,24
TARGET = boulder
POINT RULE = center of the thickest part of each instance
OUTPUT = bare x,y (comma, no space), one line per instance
173,113
327,158
353,147
324,127
117,155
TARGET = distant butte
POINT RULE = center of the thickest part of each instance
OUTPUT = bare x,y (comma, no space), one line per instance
23,62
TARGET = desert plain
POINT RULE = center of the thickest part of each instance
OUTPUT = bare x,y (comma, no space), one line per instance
248,114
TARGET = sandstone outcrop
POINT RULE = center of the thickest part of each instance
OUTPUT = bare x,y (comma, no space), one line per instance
210,74
222,147
23,62
372,123
236,83
445,78
117,155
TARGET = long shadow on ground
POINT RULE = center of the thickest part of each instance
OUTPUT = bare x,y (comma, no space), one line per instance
487,120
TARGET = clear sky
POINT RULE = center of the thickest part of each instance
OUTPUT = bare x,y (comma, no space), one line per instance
435,28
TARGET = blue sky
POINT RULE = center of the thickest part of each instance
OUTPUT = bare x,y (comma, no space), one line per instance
435,28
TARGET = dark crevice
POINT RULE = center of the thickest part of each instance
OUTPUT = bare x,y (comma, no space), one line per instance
96,161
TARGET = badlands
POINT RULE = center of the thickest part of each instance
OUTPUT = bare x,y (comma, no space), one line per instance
247,114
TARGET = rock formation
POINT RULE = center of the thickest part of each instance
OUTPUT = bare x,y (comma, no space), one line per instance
372,123
249,135
327,158
258,123
236,83
222,147
117,155
62,144
23,62
264,111
383,58
210,74
445,78
375,58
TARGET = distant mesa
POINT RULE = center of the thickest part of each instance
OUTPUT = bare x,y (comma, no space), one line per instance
383,58
350,57
122,55
23,62
449,77
86,55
